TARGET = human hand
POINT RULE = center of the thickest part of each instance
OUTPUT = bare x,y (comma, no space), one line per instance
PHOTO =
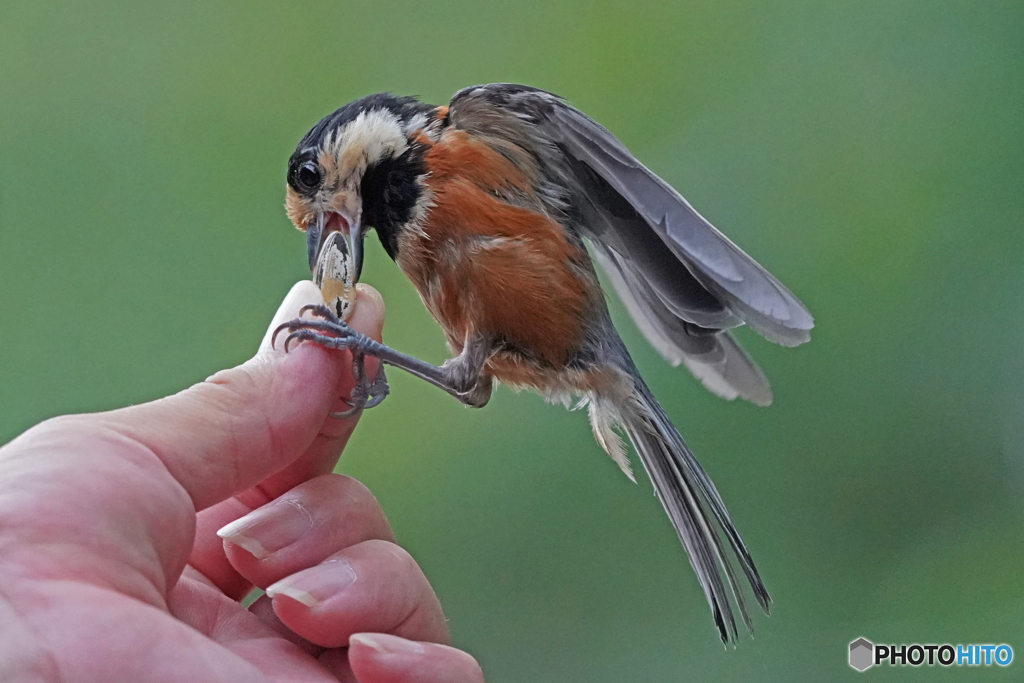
110,564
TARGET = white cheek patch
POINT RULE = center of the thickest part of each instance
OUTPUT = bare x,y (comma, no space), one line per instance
368,138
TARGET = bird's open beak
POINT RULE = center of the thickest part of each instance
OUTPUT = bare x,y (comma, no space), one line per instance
326,223
314,239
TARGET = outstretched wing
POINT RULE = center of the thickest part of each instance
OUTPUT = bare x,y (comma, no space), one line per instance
680,277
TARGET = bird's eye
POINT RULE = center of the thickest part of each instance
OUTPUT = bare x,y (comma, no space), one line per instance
309,175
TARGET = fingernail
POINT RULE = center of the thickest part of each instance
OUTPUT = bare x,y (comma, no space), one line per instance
317,584
386,644
268,529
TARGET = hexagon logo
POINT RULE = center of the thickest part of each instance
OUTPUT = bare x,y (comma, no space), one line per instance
862,653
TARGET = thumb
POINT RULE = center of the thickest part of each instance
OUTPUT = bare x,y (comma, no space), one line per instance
241,425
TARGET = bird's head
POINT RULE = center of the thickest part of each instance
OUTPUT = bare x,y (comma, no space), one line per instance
359,168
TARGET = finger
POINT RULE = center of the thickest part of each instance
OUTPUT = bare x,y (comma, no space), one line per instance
303,527
268,647
263,609
382,658
319,457
372,586
241,426
322,456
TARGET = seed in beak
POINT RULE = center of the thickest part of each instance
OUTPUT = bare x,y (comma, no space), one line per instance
335,277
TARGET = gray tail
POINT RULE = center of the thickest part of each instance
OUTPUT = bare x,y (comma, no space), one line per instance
696,510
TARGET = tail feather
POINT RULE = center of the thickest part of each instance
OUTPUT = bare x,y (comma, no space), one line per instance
695,508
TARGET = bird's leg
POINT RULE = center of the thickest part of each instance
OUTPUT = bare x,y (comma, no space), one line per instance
466,375
462,376
479,395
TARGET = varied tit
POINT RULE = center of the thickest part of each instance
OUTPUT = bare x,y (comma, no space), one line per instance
487,205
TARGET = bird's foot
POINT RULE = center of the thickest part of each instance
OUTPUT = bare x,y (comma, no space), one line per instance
365,394
333,333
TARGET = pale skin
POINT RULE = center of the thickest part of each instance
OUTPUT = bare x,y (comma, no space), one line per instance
111,568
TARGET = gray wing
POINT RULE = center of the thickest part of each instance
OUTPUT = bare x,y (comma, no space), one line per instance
716,359
681,279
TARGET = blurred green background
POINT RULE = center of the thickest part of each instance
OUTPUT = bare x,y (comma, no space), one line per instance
870,154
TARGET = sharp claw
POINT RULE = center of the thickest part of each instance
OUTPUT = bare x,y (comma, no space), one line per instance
379,390
273,337
365,394
290,337
294,326
375,401
354,406
341,415
320,310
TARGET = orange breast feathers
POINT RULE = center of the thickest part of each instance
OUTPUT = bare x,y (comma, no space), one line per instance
486,261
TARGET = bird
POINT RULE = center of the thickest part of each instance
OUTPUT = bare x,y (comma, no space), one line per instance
488,205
